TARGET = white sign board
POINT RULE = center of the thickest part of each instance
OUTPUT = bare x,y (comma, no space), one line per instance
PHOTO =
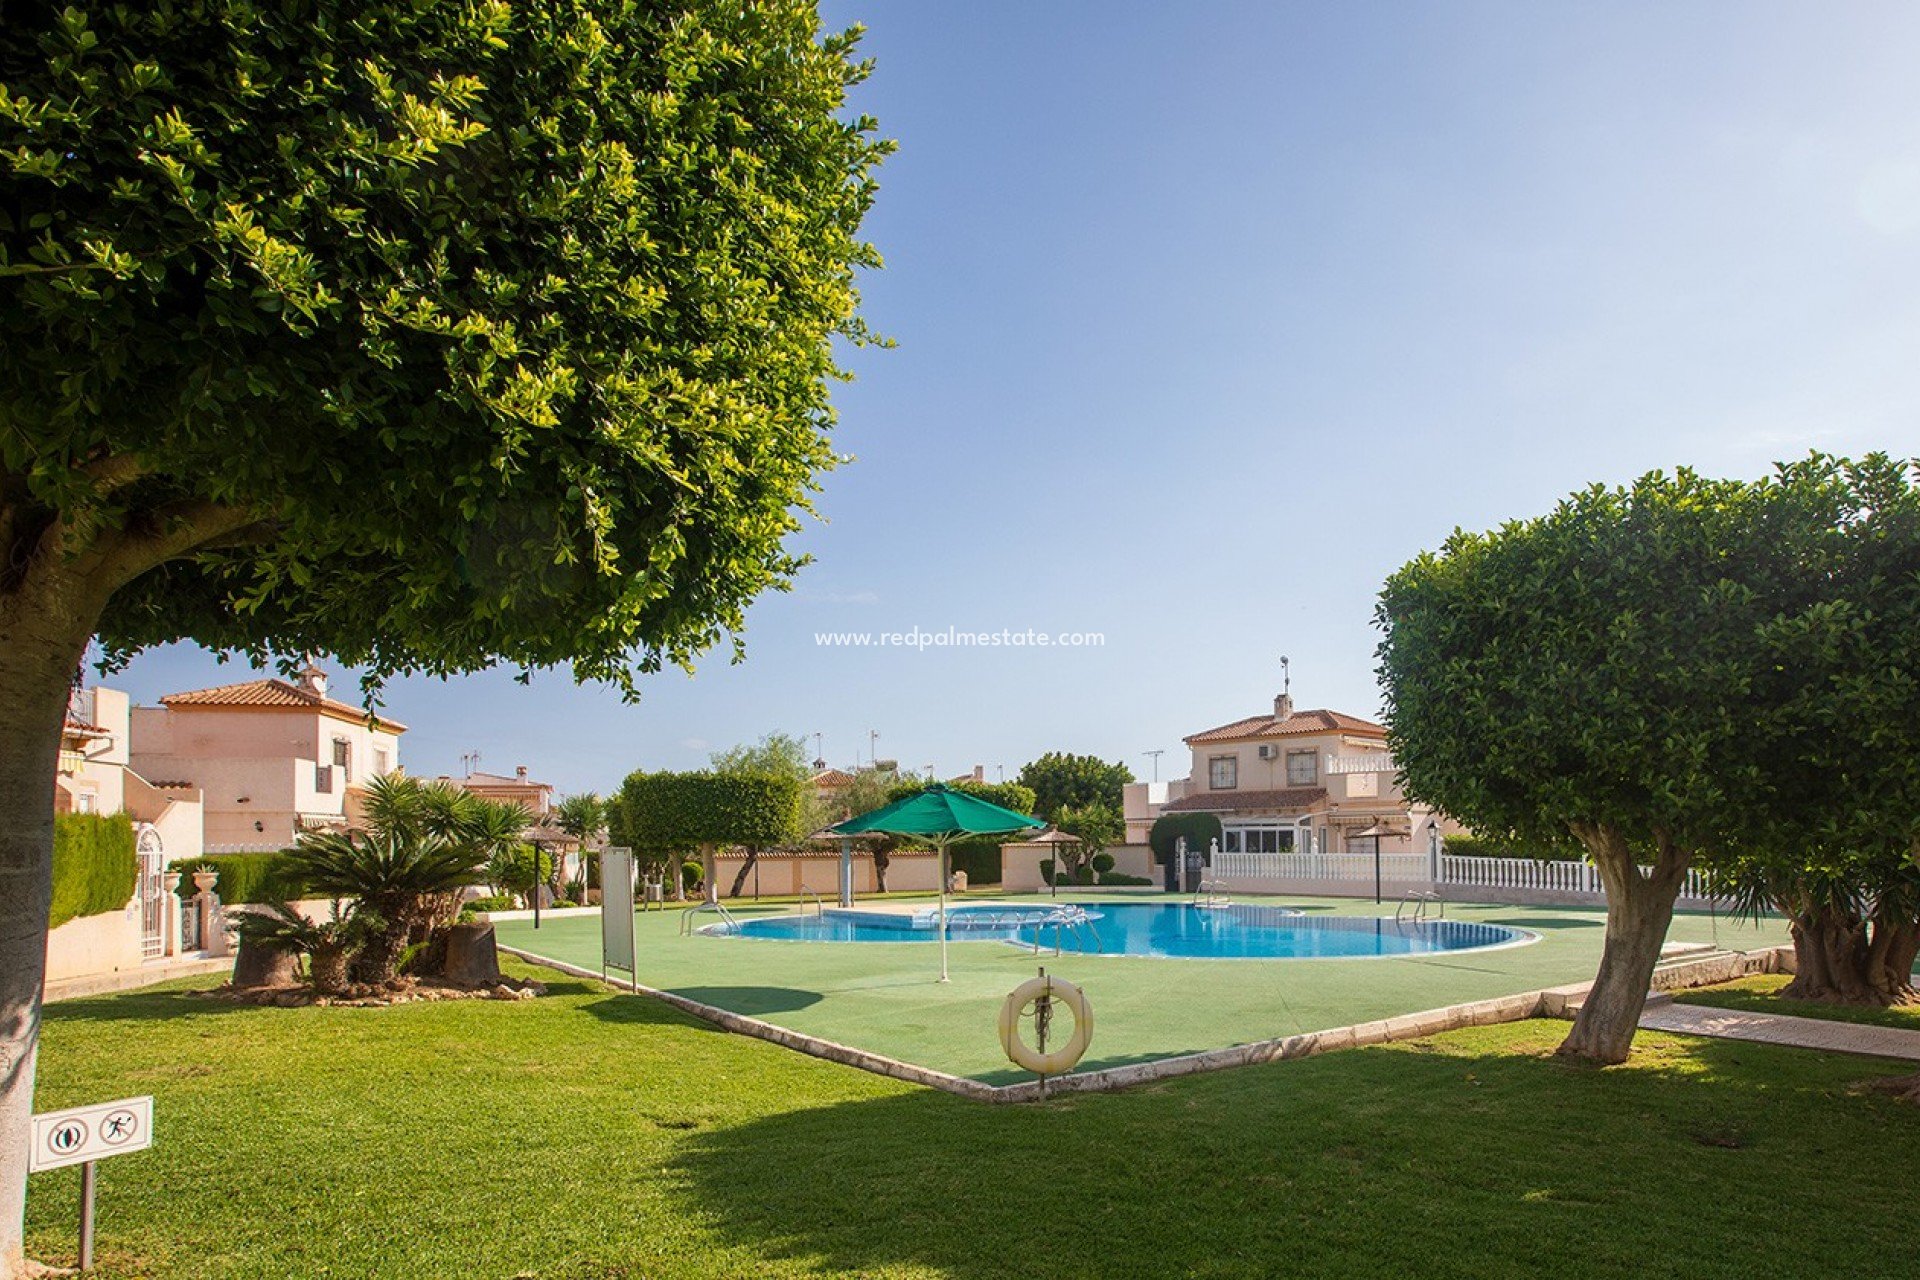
616,910
80,1134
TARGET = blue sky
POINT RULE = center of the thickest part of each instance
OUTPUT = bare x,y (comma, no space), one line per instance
1253,302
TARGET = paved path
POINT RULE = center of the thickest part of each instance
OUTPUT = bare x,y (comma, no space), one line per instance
1778,1028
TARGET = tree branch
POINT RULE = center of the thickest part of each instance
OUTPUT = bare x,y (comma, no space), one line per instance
174,530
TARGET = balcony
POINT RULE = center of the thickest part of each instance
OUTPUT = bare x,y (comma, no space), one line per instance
1364,762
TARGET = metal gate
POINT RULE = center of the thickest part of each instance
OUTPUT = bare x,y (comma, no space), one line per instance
153,894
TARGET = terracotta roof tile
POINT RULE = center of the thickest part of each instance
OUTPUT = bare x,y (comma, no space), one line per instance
1319,721
272,694
833,778
1243,801
81,729
502,780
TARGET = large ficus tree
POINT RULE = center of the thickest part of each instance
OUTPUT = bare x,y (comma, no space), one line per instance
426,335
1595,673
1833,844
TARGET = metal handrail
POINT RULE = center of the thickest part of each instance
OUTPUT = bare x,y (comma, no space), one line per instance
820,903
686,917
1421,900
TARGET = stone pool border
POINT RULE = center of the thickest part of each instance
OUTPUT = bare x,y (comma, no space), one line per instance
1551,1002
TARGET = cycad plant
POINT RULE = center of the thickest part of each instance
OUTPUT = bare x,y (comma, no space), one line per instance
329,945
398,875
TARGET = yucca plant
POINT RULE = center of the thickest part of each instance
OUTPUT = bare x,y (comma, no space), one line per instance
401,877
329,945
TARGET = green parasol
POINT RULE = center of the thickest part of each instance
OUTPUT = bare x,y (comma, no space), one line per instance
939,817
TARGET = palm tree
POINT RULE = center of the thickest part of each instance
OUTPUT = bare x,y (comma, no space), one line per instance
400,876
329,945
583,817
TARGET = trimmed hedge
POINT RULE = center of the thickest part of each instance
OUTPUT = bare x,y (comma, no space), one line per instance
1121,877
1200,829
980,859
244,877
95,869
677,812
1473,846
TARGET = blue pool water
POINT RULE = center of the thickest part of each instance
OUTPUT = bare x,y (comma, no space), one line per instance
1178,929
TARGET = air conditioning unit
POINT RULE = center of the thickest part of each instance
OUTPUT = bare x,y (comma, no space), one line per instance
1269,752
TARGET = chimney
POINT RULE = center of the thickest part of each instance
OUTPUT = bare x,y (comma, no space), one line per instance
979,773
520,771
1283,706
313,679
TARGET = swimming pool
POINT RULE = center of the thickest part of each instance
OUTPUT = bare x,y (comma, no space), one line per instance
1179,930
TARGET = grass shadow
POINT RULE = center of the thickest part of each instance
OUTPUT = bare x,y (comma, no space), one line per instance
139,1006
1477,1154
1547,922
751,1002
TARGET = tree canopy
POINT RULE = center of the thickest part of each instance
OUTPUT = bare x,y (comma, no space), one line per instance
1606,670
427,336
1059,779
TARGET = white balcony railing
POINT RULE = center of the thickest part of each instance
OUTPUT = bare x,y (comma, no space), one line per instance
1365,762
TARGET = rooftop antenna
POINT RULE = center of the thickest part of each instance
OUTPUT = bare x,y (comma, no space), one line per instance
468,761
1286,676
819,758
873,752
1156,761
1003,771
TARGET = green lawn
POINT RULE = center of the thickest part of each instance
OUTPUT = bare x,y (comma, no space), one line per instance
884,997
591,1134
1759,994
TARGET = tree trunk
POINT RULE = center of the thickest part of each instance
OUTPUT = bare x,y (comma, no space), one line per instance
1829,957
881,860
708,888
746,869
41,644
329,963
473,956
256,964
1639,910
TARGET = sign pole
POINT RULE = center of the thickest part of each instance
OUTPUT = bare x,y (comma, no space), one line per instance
86,1216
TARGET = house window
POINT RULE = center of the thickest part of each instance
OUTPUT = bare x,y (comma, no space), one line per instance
1223,772
86,802
1303,768
382,763
343,758
323,779
1257,840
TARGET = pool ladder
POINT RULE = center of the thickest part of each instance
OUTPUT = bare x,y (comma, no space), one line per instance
819,903
1419,900
1075,919
726,917
1211,895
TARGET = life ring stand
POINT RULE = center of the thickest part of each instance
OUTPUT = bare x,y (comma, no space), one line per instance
1057,1061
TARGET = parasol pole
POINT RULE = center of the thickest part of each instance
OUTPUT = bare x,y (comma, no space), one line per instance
941,845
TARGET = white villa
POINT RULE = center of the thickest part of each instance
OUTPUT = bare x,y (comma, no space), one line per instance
1293,781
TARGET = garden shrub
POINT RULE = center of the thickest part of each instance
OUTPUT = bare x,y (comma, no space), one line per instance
491,902
1083,874
1476,846
244,877
95,869
690,873
1102,863
1046,871
980,859
1121,877
1200,829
